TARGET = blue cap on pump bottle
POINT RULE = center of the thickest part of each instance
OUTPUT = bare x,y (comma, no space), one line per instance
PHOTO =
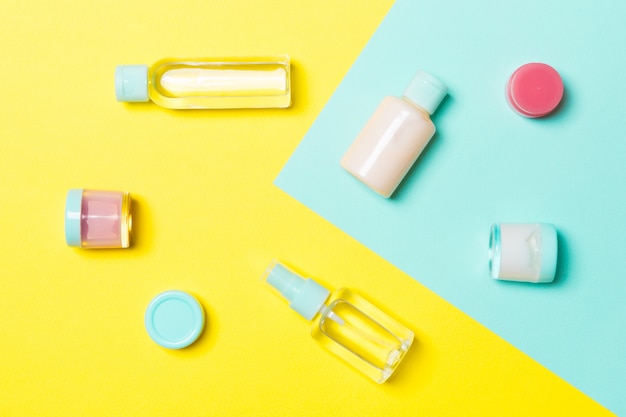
305,296
131,83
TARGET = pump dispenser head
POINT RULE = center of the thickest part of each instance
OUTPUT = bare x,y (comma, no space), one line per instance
425,91
305,296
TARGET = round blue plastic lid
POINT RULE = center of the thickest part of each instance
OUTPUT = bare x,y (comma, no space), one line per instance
73,204
174,319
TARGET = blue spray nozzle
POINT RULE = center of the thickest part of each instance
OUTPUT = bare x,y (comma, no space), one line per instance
305,296
284,280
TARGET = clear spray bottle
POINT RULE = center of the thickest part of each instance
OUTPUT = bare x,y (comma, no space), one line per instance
208,83
345,323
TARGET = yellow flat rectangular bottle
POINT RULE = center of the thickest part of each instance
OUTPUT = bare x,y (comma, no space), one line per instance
208,83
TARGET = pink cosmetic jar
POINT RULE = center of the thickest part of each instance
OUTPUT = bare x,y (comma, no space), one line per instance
98,219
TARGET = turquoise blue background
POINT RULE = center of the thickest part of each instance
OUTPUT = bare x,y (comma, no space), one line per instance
487,164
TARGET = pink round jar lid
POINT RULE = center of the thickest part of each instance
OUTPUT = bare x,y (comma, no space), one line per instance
534,90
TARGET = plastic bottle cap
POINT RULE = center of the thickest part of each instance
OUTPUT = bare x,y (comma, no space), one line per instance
305,296
534,90
73,207
174,319
426,91
131,83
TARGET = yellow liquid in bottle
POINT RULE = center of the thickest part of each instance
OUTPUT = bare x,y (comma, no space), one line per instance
221,83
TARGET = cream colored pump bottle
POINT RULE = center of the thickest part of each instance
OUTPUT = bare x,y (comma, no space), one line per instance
395,135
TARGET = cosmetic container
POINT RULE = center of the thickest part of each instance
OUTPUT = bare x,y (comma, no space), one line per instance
98,219
395,135
174,319
534,90
345,323
523,252
208,83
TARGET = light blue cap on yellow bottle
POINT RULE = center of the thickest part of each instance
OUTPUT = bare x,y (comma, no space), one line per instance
73,207
426,91
131,83
174,319
305,296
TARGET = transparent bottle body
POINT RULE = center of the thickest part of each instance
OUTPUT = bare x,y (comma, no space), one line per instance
105,219
221,83
362,335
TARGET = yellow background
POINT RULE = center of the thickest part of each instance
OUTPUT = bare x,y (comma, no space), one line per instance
208,220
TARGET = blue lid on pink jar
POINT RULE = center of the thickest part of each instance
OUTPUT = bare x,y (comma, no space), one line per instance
97,219
73,203
534,90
